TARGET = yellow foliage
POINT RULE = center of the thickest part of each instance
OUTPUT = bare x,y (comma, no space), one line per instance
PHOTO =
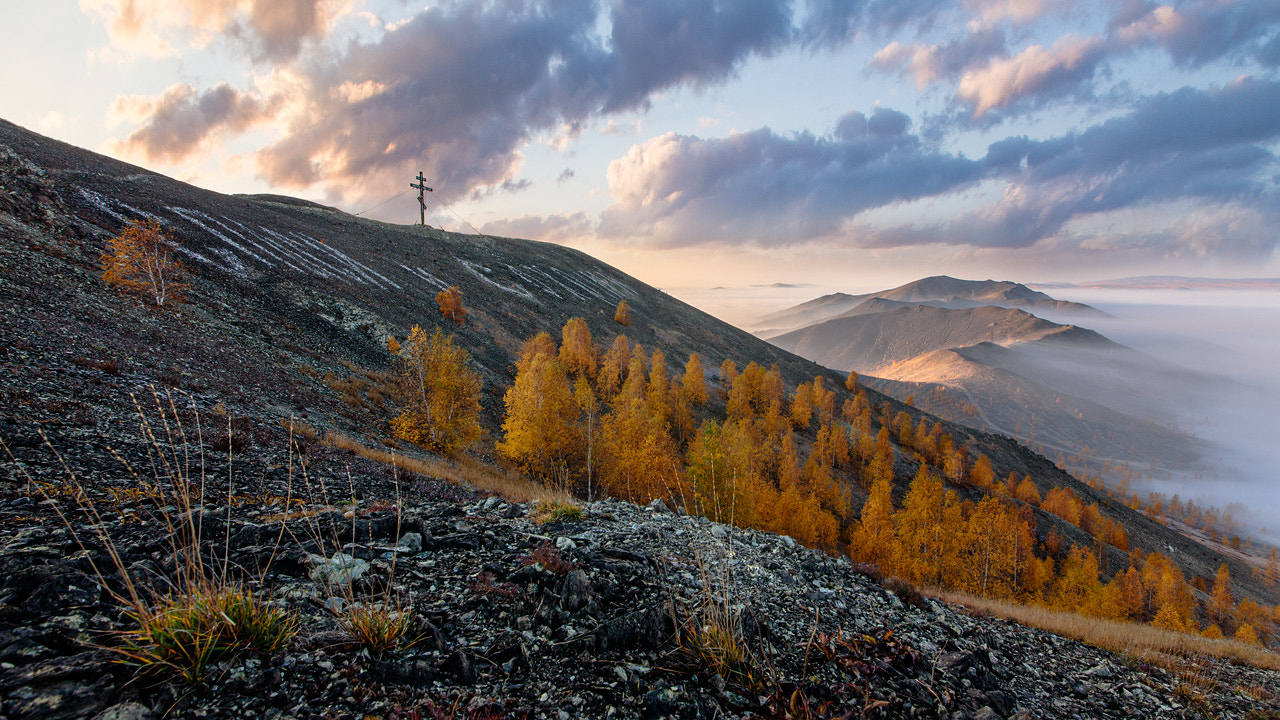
539,433
439,394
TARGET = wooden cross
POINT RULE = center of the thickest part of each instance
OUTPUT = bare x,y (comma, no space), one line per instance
421,185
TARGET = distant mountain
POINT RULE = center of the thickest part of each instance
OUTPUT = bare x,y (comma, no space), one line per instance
1060,388
939,291
875,341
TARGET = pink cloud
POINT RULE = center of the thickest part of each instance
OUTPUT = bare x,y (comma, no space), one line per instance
1031,72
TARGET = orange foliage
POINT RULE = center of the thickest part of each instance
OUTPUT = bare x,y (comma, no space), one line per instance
622,315
450,302
141,261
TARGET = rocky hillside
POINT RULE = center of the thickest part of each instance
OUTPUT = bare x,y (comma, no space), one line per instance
288,316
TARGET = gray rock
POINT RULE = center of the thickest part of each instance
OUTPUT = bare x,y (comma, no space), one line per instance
338,571
576,592
126,711
411,543
659,507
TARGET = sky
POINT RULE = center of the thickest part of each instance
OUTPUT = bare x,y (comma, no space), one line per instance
696,144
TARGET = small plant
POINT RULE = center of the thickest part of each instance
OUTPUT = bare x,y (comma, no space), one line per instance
393,345
548,511
197,615
551,560
714,637
380,627
141,261
485,586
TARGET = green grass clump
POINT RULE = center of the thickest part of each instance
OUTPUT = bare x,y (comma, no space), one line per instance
378,627
188,632
547,511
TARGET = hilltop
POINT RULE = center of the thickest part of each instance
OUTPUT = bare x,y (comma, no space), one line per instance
276,368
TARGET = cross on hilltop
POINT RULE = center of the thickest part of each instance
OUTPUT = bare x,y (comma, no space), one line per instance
422,188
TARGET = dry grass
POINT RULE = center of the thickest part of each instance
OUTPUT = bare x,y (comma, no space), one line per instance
1161,647
508,484
196,615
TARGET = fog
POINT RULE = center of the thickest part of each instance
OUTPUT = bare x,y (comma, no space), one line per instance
1231,335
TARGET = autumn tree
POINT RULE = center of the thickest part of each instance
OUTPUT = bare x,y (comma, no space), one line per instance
578,352
450,302
141,261
589,425
802,406
439,394
539,432
851,382
691,391
622,315
1220,601
393,345
613,368
694,382
928,528
873,537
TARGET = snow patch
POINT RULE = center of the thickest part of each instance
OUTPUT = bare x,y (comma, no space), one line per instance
514,289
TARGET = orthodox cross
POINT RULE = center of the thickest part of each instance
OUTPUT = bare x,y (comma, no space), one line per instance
422,188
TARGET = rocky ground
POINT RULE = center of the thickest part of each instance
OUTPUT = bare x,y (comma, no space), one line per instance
625,611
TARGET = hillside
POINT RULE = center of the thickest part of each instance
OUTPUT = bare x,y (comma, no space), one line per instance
282,341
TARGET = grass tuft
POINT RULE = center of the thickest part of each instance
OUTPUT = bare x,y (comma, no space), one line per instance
378,626
549,511
190,631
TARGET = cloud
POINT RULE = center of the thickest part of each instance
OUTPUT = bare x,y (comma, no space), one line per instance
763,188
460,88
1196,34
542,227
270,30
565,176
833,23
178,123
990,12
1209,150
1031,73
661,43
931,63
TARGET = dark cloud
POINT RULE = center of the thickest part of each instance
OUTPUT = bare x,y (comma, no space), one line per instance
771,189
565,176
1206,148
178,123
1196,33
459,88
659,43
